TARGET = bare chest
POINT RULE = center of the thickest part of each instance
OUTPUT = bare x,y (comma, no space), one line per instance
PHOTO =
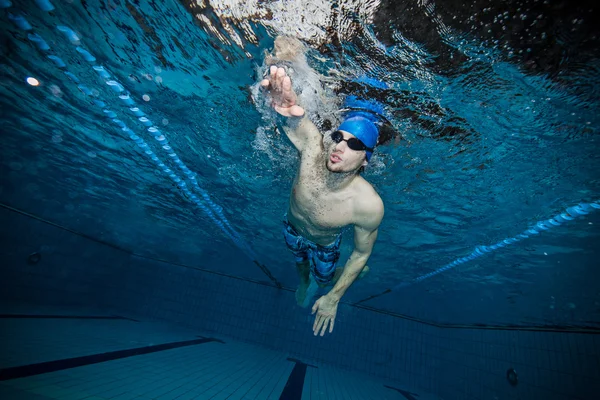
316,205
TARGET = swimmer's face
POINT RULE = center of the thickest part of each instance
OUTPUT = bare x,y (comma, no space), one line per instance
341,158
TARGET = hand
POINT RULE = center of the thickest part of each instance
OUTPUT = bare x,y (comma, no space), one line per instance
327,309
280,87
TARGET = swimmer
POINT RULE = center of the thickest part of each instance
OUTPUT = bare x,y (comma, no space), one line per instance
328,193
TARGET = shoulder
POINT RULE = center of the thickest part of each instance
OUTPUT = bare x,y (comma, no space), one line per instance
368,206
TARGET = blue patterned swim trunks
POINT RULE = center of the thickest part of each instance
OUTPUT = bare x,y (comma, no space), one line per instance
322,259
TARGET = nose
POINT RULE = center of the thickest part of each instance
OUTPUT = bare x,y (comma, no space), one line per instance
341,146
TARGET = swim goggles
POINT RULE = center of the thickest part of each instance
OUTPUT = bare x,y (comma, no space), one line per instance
353,143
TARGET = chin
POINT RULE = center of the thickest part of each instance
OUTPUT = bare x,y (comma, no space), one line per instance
337,168
333,167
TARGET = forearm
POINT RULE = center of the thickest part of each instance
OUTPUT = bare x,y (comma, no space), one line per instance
352,269
300,131
294,123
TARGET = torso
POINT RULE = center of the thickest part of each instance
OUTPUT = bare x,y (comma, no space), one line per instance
317,212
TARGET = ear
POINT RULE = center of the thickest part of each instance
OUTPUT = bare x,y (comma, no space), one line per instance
365,162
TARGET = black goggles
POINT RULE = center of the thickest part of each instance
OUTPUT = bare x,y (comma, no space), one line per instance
353,143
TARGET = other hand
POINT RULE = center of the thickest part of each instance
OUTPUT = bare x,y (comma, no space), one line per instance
326,309
284,98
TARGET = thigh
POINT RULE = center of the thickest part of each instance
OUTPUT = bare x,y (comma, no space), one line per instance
324,262
295,243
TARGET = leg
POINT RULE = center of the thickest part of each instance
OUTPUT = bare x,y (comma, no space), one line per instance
303,269
297,245
325,259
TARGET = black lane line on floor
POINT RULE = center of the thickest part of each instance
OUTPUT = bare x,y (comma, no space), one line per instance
407,395
49,316
295,383
212,339
59,365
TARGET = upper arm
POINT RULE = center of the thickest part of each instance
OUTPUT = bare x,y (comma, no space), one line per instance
304,135
367,224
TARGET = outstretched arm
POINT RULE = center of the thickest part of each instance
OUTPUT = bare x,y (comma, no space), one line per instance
304,134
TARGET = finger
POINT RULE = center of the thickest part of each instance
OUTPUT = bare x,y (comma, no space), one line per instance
273,80
324,327
289,97
297,111
315,307
279,77
285,111
287,84
317,325
331,325
265,83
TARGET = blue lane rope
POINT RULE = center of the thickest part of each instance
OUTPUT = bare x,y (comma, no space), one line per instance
568,215
204,202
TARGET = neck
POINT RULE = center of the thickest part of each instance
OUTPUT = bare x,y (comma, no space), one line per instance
336,181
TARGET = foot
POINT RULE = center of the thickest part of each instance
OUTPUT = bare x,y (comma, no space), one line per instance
305,293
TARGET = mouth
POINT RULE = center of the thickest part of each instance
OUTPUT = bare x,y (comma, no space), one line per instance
334,158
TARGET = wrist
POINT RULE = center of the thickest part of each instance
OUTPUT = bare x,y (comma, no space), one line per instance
292,122
334,297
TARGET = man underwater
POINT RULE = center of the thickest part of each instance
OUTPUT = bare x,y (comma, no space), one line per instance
328,194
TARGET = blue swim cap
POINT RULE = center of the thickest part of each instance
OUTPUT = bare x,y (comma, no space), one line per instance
365,115
363,128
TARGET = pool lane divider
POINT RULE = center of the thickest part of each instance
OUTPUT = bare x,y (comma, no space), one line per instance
203,201
25,371
570,214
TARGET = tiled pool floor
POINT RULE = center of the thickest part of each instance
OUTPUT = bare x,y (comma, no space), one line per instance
54,354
